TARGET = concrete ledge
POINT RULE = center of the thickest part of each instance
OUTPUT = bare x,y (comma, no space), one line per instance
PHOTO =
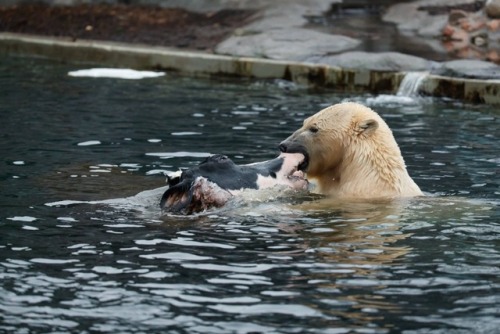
202,64
470,90
192,63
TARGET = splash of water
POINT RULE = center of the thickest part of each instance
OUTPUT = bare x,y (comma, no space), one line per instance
411,83
407,93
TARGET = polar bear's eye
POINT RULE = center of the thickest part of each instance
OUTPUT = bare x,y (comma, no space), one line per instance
313,129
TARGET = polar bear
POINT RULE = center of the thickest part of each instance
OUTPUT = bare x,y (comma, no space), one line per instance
351,154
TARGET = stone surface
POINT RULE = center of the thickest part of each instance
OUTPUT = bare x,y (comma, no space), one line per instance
409,18
492,8
287,14
286,44
385,61
461,26
474,69
279,33
425,18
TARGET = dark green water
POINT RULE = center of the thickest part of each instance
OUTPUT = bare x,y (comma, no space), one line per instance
423,266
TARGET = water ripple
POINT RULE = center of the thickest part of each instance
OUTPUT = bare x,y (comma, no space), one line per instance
97,257
287,309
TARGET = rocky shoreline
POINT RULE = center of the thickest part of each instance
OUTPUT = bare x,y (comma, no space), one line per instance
284,31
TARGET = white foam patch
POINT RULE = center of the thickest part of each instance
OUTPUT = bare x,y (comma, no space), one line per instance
123,225
156,172
107,270
186,133
67,219
391,99
145,201
22,218
117,73
52,261
177,256
130,165
168,155
89,143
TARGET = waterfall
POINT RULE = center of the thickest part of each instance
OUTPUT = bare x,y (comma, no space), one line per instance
407,93
410,84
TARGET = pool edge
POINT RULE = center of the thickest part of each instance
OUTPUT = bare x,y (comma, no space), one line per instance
207,64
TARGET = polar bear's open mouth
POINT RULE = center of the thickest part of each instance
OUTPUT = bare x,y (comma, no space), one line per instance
305,163
293,148
292,166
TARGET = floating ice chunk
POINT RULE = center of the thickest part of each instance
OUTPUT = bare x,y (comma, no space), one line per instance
118,73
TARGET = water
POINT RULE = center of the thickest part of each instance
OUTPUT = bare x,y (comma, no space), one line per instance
421,266
407,94
410,84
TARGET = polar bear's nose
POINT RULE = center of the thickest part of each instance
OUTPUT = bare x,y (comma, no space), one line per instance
283,147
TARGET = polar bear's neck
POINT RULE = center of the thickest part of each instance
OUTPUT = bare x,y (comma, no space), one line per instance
371,169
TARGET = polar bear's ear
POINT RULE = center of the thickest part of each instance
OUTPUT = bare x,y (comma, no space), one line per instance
368,126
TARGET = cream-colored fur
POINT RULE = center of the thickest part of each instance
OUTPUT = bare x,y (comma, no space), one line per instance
353,154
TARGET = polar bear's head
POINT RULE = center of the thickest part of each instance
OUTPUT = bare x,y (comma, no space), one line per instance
348,143
327,137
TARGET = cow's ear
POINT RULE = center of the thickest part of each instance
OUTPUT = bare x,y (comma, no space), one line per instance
368,126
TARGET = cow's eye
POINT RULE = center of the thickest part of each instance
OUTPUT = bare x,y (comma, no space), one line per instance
313,129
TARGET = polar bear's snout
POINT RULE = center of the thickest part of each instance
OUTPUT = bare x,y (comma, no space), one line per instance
292,146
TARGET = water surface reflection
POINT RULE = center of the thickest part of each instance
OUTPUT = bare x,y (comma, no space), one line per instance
101,265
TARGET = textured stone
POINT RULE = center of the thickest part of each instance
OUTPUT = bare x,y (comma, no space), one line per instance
411,16
474,69
286,44
492,8
385,61
407,17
